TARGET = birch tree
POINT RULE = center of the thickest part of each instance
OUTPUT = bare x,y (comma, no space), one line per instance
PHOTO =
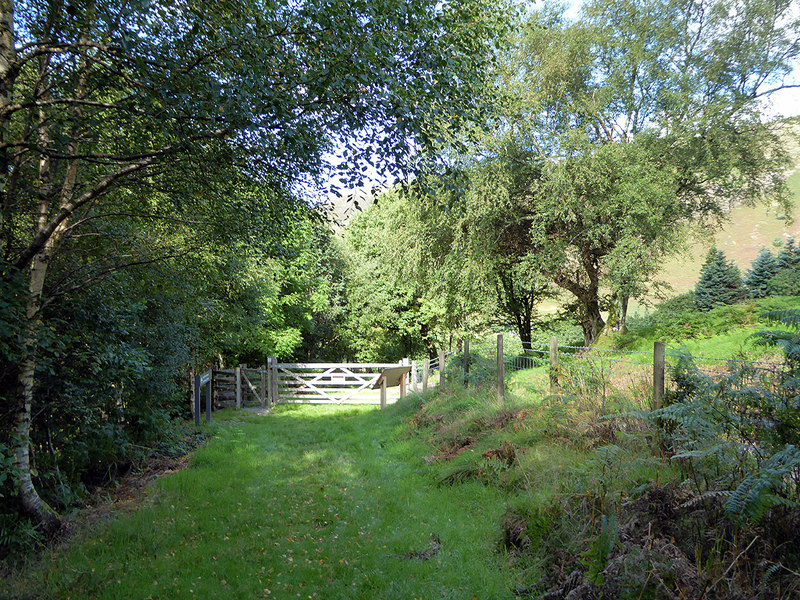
102,101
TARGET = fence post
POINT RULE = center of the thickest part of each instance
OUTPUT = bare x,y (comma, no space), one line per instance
426,367
270,383
501,376
272,374
263,388
553,366
209,385
466,363
658,374
406,362
383,393
441,370
238,376
414,383
196,394
214,390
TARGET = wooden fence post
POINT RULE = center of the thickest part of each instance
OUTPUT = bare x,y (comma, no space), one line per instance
273,380
441,370
553,366
383,393
501,376
414,385
238,376
658,374
214,390
209,385
196,398
426,367
466,363
263,388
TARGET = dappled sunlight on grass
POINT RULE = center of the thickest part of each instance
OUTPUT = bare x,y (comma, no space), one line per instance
316,502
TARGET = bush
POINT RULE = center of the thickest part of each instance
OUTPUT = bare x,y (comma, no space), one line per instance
785,282
740,432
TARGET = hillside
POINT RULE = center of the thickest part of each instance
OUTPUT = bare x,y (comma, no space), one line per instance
747,231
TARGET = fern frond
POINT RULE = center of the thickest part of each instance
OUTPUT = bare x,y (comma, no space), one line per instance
790,317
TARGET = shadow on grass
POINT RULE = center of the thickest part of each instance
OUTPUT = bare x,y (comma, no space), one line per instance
308,501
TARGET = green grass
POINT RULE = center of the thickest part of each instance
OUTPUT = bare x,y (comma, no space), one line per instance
308,502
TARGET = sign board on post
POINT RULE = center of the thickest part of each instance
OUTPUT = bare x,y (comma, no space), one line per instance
392,377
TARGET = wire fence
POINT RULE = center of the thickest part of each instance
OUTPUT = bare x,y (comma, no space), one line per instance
591,374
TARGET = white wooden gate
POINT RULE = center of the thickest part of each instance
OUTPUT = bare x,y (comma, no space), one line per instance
329,383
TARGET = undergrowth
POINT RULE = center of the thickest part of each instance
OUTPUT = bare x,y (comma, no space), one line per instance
610,499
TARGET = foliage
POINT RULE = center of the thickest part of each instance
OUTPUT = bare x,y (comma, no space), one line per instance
409,291
740,431
169,140
786,282
678,320
786,279
719,283
620,132
789,256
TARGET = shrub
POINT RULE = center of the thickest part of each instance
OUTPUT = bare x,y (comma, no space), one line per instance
785,282
739,433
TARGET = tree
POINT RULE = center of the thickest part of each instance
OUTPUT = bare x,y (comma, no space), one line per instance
643,116
789,256
104,106
409,288
763,268
719,282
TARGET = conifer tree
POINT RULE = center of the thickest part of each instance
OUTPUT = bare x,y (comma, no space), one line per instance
762,269
720,282
789,256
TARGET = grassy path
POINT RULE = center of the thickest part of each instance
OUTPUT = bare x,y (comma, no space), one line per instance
308,502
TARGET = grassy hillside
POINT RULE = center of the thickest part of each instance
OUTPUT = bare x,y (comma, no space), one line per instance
747,230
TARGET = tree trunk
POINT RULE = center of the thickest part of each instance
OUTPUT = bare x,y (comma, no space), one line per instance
591,321
623,313
32,504
524,331
8,73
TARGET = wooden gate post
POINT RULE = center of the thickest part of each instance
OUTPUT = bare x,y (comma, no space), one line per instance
466,363
426,367
414,370
238,376
441,370
553,366
383,393
263,388
272,362
214,390
501,376
196,398
209,386
658,374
